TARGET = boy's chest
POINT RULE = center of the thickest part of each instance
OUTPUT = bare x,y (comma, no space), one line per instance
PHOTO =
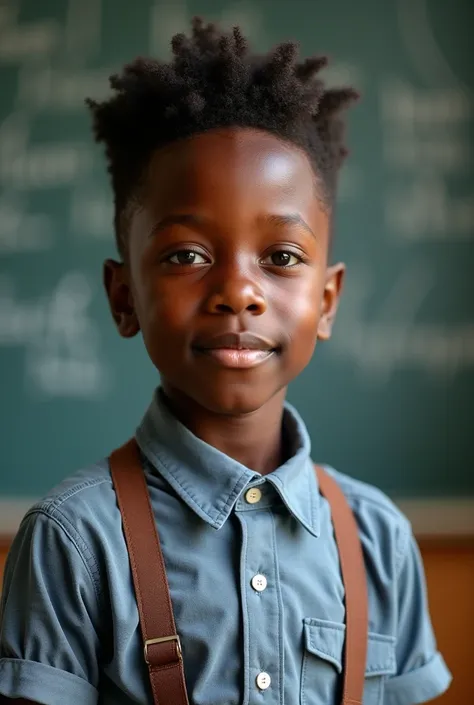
259,607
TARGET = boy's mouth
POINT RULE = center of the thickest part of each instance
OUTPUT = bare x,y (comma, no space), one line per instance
237,350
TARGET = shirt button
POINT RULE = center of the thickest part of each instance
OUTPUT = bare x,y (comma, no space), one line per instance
253,495
259,583
263,680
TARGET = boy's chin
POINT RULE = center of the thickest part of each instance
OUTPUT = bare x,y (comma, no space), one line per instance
235,399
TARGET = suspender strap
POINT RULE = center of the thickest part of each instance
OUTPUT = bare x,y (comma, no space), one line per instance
162,648
355,586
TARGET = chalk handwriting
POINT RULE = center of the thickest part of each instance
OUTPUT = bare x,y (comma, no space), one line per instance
61,340
395,338
25,42
405,106
427,129
427,143
421,208
20,230
58,89
83,29
8,13
46,165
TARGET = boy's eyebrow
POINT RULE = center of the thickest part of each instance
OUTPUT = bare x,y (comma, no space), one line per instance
289,219
176,219
279,219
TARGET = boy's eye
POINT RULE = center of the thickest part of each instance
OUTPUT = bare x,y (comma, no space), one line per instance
187,257
283,258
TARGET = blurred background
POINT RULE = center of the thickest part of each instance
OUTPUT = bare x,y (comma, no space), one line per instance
390,398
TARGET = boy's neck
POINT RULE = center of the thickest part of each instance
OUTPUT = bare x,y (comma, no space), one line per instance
254,440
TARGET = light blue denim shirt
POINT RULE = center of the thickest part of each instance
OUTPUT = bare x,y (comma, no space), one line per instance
256,587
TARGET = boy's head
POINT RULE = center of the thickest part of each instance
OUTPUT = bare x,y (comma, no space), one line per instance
224,167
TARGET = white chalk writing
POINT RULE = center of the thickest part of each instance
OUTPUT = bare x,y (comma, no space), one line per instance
28,40
427,143
22,231
60,338
46,166
83,29
47,88
427,129
421,208
394,338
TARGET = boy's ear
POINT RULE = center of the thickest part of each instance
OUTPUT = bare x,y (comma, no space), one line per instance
330,302
119,293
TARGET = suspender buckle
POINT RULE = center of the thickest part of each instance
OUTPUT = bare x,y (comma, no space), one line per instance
162,640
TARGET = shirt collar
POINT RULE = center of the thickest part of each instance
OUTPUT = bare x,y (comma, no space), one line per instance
210,482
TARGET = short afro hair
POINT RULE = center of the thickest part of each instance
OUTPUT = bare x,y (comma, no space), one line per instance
214,81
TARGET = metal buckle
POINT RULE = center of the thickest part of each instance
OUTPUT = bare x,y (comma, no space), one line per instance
162,640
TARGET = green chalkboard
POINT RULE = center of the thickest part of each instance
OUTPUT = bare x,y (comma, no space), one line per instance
389,398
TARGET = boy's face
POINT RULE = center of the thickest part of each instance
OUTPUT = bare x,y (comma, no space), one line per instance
227,271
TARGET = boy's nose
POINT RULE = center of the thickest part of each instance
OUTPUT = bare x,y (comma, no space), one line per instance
236,295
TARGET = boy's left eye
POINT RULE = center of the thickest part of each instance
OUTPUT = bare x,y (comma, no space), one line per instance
184,257
282,258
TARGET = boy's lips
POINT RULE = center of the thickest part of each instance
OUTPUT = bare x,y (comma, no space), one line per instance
237,350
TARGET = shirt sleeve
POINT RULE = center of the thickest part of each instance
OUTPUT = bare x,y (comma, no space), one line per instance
48,616
421,671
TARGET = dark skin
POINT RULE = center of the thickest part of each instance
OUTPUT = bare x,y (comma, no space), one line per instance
247,197
231,236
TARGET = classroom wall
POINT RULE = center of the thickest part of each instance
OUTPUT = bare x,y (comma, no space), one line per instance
449,567
395,382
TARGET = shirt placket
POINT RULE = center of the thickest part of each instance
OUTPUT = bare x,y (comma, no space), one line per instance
261,598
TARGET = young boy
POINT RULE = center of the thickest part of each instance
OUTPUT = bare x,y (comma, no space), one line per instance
224,170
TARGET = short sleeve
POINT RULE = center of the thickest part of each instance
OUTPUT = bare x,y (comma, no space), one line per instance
421,671
49,614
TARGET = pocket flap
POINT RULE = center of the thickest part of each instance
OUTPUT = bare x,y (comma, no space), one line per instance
326,640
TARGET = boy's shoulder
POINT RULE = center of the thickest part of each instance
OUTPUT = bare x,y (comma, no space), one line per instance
93,484
380,521
86,501
360,493
87,491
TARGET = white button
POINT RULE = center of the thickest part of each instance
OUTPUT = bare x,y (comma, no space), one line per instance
259,582
263,680
253,495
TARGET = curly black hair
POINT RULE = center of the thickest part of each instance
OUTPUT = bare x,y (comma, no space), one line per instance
214,81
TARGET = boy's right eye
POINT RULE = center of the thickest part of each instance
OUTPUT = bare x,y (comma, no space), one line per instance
187,257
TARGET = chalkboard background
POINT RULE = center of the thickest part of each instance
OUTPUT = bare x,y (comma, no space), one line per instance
389,399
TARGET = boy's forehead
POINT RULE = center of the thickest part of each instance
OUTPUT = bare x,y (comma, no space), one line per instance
232,164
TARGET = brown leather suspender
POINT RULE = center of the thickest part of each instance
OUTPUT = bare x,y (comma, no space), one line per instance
355,587
162,648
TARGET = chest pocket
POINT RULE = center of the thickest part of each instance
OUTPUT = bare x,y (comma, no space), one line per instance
322,664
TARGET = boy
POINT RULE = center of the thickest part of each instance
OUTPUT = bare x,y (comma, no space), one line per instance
224,171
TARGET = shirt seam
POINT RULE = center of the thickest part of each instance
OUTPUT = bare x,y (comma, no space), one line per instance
402,549
245,612
312,499
67,494
350,494
402,524
75,538
8,663
396,691
279,599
